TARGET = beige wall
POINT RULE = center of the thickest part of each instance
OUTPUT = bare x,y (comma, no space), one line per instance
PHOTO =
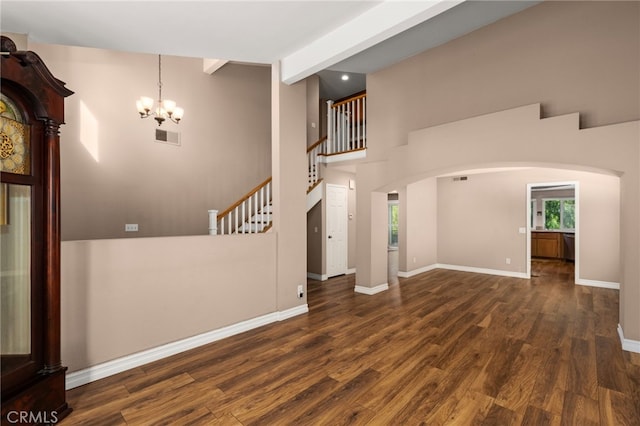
505,139
290,179
113,171
479,220
570,56
418,234
315,246
313,109
122,296
575,58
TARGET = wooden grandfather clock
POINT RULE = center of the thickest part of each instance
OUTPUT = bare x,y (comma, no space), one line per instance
31,112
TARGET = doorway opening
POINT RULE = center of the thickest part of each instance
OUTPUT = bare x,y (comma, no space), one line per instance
393,255
553,227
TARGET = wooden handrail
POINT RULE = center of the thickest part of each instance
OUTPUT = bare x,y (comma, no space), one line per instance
346,101
243,199
311,188
315,144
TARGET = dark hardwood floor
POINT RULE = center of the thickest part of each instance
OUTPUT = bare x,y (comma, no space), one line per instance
443,347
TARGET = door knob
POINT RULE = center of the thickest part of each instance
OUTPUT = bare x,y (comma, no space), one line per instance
329,236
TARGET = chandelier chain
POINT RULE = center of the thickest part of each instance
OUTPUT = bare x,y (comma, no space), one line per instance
159,77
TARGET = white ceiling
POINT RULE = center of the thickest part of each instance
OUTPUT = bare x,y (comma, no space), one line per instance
359,36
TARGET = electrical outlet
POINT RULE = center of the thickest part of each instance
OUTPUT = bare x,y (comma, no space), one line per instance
508,261
131,227
300,291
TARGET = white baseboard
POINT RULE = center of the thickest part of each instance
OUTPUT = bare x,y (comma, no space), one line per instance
409,274
316,277
292,312
482,270
371,290
109,368
628,344
595,283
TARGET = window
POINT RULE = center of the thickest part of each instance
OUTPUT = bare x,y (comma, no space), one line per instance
559,213
393,224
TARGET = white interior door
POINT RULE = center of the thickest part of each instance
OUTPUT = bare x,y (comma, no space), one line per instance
336,230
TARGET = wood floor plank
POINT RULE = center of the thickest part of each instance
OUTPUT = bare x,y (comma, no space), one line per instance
169,406
536,417
610,365
328,408
496,372
617,408
516,391
583,376
580,410
250,404
548,391
465,409
498,415
442,347
298,405
404,404
352,415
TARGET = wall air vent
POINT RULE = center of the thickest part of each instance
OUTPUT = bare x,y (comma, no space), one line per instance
458,178
171,138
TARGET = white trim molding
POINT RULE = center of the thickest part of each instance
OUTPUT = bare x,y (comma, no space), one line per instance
600,284
317,277
409,274
628,344
292,312
351,271
482,270
371,290
347,156
109,368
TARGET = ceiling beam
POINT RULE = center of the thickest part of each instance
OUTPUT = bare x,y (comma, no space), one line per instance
371,27
210,66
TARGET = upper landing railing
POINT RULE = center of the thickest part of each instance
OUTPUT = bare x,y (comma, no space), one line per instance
347,124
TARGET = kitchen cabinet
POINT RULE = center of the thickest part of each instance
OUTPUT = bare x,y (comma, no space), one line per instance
546,244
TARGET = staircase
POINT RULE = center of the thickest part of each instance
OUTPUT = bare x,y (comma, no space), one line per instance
346,140
249,215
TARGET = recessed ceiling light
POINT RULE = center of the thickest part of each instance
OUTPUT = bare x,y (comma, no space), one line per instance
345,77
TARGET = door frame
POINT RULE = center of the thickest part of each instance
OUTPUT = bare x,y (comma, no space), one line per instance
576,185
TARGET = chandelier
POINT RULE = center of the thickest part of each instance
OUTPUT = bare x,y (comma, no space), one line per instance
166,109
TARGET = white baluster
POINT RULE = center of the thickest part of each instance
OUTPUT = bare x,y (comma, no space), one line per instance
359,116
350,127
364,122
330,123
255,208
262,204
